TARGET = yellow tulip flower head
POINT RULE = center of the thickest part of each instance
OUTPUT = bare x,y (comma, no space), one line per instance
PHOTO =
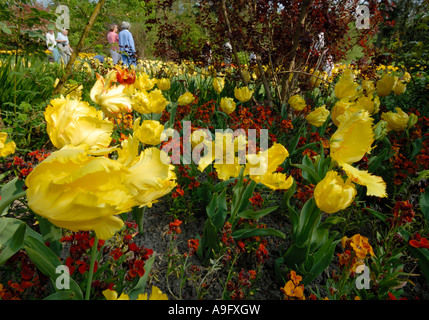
185,99
6,148
227,105
332,194
262,167
150,177
396,121
163,84
399,88
218,84
144,82
297,102
76,191
385,85
353,138
74,122
149,132
111,99
346,87
318,117
243,94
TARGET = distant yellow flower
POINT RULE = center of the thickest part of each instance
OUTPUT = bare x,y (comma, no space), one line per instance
346,87
243,94
185,99
385,85
395,121
74,122
79,192
332,194
149,132
316,81
6,148
163,84
227,105
297,102
318,117
218,84
353,138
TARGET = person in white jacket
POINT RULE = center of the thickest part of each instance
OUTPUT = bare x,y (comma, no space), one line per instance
51,43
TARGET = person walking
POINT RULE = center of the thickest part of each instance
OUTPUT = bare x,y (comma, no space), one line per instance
51,43
64,46
113,39
126,45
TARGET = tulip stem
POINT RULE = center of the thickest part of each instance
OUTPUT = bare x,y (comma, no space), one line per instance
91,268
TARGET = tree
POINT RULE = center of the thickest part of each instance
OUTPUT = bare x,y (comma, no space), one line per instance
283,35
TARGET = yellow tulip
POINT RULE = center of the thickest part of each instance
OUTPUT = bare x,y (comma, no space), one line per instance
395,121
262,167
225,151
218,84
76,191
185,99
156,294
399,88
243,94
110,294
374,184
227,105
346,86
332,194
368,104
150,177
316,81
144,82
385,85
163,84
6,148
353,138
297,102
199,136
73,122
149,102
340,107
149,132
318,117
112,100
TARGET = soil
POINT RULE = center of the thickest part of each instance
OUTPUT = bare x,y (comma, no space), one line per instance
156,225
